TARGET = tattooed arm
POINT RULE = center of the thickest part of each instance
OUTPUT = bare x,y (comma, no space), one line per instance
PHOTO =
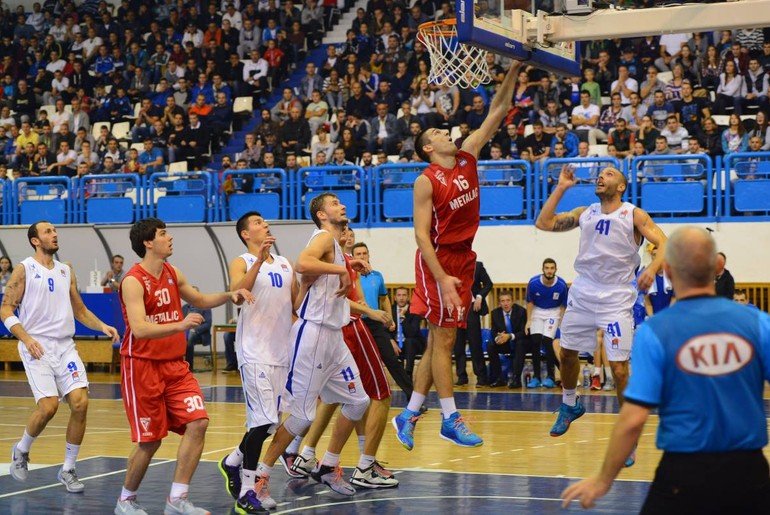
14,293
548,220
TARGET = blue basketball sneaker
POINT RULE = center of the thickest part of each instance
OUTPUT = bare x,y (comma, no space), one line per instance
567,415
534,383
548,383
455,430
404,424
631,458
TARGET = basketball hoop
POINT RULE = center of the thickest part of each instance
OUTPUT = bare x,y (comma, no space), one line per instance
452,63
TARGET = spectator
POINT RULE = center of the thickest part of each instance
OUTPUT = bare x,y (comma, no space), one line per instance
200,108
295,133
220,121
691,110
509,141
65,161
309,83
148,114
384,131
64,134
590,85
585,119
523,94
203,87
508,329
546,92
756,81
358,102
384,94
151,160
88,157
339,159
712,138
197,141
634,112
24,102
608,117
252,151
734,138
622,138
401,81
477,113
670,49
255,76
275,60
677,137
333,86
761,130
349,144
660,110
538,144
317,111
114,152
731,89
711,68
624,85
281,109
690,64
674,86
407,146
569,140
651,86
605,72
322,144
725,284
553,116
268,125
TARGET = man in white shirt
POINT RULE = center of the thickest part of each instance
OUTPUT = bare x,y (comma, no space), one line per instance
233,16
56,63
585,119
624,85
255,73
677,137
91,44
59,116
317,112
670,48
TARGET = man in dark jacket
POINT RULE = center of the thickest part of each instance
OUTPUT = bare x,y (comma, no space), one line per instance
482,285
724,279
508,336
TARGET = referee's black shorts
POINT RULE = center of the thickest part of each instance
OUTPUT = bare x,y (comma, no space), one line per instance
710,484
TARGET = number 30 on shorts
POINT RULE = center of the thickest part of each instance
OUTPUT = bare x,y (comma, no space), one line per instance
194,403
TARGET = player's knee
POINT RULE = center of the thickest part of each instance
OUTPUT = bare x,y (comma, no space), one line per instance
355,411
619,371
197,428
296,426
79,406
568,356
47,407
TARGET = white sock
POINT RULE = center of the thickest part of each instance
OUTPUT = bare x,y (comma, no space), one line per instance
235,458
597,370
607,372
569,397
308,452
125,494
330,459
447,406
293,447
178,490
365,461
361,443
416,402
264,470
248,479
26,442
70,456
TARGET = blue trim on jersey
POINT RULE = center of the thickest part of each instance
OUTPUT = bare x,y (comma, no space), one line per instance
243,382
305,302
294,359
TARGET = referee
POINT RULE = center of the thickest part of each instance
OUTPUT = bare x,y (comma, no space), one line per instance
703,363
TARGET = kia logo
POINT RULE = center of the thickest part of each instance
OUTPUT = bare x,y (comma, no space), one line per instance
715,354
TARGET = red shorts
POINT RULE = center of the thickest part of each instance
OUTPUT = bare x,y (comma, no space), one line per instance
426,298
159,396
366,355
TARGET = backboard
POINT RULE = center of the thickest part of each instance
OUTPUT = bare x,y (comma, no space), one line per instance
496,26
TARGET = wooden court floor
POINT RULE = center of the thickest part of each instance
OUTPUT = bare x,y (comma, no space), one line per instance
519,466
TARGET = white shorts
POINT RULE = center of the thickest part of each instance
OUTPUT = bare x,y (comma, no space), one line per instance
54,375
590,308
545,321
264,389
321,365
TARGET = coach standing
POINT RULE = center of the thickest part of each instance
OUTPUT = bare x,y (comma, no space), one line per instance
703,363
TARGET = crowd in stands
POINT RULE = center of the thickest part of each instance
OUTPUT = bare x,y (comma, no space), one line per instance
93,88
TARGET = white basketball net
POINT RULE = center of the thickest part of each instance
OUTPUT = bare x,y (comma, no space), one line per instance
453,63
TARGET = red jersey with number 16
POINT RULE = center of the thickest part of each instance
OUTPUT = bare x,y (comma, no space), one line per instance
456,204
162,305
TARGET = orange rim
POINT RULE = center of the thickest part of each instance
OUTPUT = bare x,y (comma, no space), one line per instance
443,27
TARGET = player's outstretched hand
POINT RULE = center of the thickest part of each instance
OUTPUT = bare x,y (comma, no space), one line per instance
344,285
360,266
241,295
192,320
567,177
111,332
450,297
34,348
645,279
586,491
382,317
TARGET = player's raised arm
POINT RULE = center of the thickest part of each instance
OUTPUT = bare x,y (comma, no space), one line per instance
548,220
650,230
498,109
209,300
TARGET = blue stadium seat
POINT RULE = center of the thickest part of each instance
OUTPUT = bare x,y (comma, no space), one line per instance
502,200
398,203
115,210
268,204
752,195
577,196
673,197
183,208
52,210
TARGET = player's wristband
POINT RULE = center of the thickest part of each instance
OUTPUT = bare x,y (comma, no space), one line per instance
11,321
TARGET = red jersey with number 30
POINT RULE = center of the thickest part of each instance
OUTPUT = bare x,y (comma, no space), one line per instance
162,305
456,204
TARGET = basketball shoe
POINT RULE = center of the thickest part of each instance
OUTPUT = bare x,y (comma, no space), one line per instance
567,415
455,430
232,477
404,424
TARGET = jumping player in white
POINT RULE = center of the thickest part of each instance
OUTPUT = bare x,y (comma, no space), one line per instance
263,355
602,295
321,364
46,295
446,218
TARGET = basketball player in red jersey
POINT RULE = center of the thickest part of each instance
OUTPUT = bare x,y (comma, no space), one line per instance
159,392
446,217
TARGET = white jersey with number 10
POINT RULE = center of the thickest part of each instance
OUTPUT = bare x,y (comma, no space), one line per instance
609,252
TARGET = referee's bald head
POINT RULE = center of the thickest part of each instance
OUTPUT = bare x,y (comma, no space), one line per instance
691,257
